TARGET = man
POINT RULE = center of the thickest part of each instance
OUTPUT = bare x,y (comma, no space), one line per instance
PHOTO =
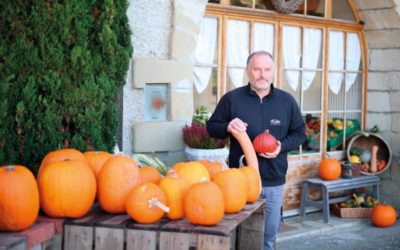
255,108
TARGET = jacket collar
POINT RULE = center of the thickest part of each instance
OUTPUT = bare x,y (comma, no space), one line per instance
253,93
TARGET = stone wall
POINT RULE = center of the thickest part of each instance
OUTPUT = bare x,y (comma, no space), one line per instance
382,30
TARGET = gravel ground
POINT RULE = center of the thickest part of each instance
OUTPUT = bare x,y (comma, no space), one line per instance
364,237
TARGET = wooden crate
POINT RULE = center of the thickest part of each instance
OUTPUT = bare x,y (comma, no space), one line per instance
243,230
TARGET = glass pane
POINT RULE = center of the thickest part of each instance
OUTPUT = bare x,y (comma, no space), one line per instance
354,92
213,1
294,87
239,76
335,131
264,4
336,95
312,48
263,37
341,10
313,128
242,3
208,97
313,94
352,124
316,8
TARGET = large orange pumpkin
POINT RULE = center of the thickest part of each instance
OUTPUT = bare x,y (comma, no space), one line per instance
150,174
233,184
213,167
192,171
329,169
96,159
253,183
175,189
204,204
146,203
67,188
383,215
61,155
118,176
19,198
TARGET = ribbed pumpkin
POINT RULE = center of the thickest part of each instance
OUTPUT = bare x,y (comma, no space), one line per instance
67,188
96,159
175,189
213,167
253,183
233,184
118,176
265,143
204,204
383,215
19,198
146,203
150,174
192,171
61,155
329,169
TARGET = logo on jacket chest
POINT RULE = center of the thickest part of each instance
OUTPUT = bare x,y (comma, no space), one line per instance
275,122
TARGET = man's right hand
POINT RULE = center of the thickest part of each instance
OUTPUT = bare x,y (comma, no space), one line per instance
237,126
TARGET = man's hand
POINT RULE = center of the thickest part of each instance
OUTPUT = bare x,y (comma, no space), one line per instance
237,126
273,154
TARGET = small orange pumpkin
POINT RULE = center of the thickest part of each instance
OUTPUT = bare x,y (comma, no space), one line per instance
150,174
19,198
96,159
383,215
146,203
253,183
233,184
201,209
265,143
213,167
192,171
329,169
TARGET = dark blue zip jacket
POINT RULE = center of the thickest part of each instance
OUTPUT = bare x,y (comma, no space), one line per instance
278,112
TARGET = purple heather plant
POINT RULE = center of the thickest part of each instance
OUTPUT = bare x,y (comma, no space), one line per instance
196,136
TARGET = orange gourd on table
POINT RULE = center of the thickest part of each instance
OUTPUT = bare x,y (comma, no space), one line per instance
118,176
383,215
150,174
146,203
96,159
192,171
213,167
329,169
19,198
253,183
66,188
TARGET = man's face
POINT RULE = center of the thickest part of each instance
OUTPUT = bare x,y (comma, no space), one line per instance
260,72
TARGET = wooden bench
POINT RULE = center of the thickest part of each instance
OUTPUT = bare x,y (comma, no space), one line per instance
327,187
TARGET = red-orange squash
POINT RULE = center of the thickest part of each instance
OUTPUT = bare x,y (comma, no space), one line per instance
329,169
233,184
192,172
213,167
253,183
61,155
150,174
66,188
204,204
96,159
118,176
146,203
19,198
175,189
265,143
383,215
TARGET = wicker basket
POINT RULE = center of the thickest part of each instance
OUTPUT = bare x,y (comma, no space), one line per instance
356,212
366,143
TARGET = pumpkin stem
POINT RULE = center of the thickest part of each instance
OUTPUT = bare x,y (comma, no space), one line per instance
173,173
153,202
10,168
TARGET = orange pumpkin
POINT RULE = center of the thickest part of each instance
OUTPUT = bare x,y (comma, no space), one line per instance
61,155
213,167
146,203
265,143
201,209
67,188
19,198
253,183
118,176
96,159
192,171
329,169
175,189
150,174
383,215
233,184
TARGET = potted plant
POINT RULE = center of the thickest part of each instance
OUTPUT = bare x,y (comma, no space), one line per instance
199,144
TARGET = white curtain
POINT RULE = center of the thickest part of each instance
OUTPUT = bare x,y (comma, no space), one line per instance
312,50
336,60
237,50
204,53
353,58
263,37
291,53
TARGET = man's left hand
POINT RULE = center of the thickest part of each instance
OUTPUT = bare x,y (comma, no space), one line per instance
272,154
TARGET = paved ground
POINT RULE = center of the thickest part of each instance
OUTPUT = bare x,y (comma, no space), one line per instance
352,234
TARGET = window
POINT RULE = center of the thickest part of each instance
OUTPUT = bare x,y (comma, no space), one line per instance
319,58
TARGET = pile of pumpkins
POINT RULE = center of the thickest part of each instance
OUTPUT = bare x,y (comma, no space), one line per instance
68,183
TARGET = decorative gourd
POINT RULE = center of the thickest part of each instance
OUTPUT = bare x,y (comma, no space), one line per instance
66,188
19,198
118,176
61,155
253,183
150,174
233,184
96,159
175,189
329,169
213,167
146,203
201,209
265,143
383,215
192,172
